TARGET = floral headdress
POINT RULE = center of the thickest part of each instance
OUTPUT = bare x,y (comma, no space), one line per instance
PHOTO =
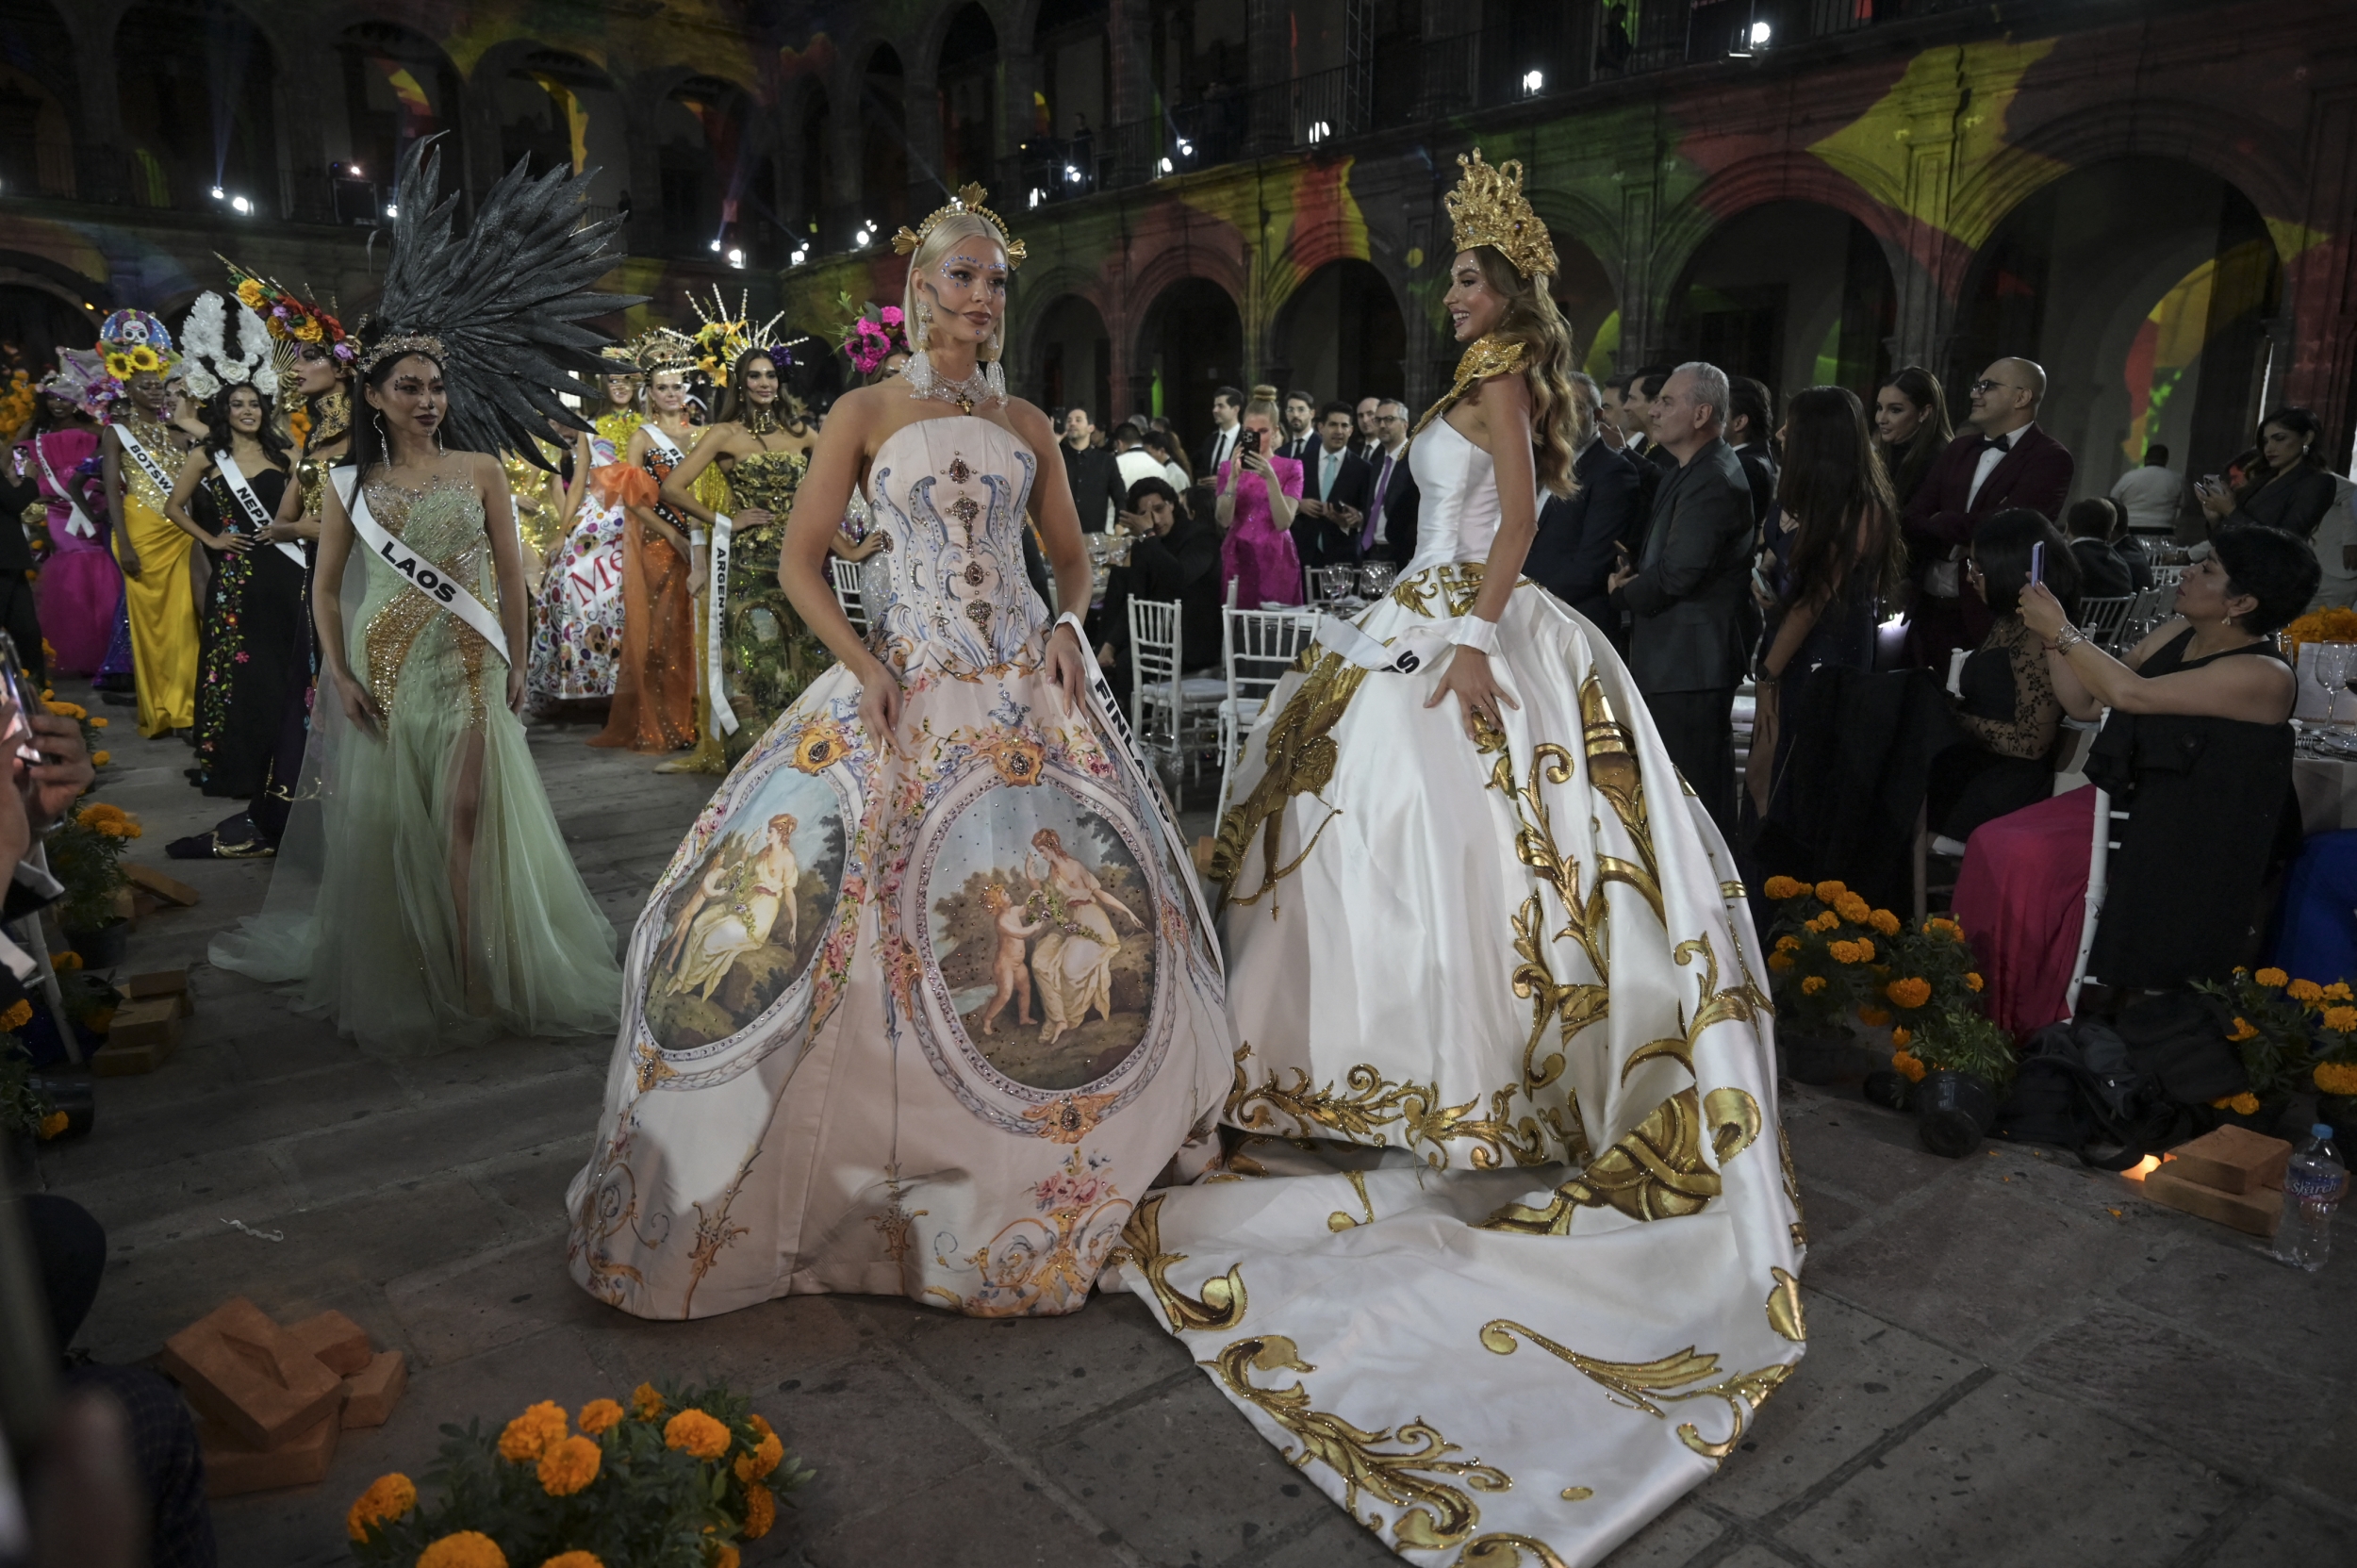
868,341
81,379
724,338
134,341
968,199
1488,207
211,364
291,319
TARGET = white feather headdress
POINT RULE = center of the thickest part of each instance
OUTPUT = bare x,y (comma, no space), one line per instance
210,364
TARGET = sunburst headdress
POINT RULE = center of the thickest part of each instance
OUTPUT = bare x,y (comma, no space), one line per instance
663,349
724,336
1488,207
969,199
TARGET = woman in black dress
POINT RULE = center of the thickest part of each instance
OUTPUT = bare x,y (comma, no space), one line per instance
2198,751
2287,487
1911,425
252,637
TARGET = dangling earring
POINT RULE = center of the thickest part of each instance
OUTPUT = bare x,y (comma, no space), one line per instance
924,320
384,443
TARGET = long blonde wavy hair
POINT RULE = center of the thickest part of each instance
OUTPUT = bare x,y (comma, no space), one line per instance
945,236
1532,320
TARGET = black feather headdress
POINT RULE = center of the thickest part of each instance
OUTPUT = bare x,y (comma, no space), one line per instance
502,307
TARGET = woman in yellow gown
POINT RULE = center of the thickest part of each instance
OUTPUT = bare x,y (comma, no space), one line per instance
141,452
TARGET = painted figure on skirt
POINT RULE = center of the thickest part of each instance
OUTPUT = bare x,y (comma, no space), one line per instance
818,1087
142,452
577,624
423,897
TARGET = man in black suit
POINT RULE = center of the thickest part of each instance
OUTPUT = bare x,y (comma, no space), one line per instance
1644,389
1089,468
2002,462
1226,425
1301,436
1337,486
1580,534
1686,588
1389,532
1367,437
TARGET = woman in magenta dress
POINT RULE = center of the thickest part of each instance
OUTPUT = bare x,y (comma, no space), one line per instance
1257,559
79,585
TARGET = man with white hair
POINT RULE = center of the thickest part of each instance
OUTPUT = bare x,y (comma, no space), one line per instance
1686,587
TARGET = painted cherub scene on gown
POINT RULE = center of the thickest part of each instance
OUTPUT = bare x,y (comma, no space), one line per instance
745,927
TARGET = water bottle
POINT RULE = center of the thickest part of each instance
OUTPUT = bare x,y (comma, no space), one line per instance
2313,1183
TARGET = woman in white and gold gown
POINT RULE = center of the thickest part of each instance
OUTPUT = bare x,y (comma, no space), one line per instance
823,1093
1506,1254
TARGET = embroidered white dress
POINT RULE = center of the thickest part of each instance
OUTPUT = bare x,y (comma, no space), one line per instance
1538,1267
922,1020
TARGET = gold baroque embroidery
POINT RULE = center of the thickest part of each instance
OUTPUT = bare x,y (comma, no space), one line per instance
714,1234
1784,1308
1656,1172
1452,585
1505,1550
1220,1306
1069,1119
1300,759
1373,1102
1793,1188
1733,1116
1343,1219
1633,1382
1743,1000
1434,1515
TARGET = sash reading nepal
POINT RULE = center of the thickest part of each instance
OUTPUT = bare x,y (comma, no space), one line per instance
422,573
235,478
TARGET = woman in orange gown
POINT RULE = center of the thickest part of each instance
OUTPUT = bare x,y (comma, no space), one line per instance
654,684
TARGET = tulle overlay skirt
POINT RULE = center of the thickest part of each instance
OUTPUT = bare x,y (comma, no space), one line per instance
1506,1254
78,589
924,1022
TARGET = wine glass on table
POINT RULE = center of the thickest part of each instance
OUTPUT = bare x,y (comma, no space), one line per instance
2333,662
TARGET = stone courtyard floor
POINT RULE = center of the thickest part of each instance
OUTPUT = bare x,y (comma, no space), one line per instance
2011,1360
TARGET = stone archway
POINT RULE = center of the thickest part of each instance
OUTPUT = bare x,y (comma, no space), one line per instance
1342,335
1191,345
1071,359
1792,293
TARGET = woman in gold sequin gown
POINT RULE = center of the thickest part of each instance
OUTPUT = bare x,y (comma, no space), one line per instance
447,908
768,655
153,555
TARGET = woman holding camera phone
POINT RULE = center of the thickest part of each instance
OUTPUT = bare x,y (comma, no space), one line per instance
1258,491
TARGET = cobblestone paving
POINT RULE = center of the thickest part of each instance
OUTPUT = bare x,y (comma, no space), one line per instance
2011,1360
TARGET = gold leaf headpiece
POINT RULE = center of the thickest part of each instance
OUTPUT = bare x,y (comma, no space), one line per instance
1488,207
663,349
968,199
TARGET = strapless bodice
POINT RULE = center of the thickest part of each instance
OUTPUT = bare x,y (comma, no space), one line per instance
1456,516
949,496
767,480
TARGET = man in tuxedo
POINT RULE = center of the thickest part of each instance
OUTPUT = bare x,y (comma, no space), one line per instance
1580,534
1389,532
1098,491
1336,490
1301,436
2005,461
1644,393
1368,440
1687,586
1226,425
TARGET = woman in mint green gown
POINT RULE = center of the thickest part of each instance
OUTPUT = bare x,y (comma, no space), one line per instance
438,905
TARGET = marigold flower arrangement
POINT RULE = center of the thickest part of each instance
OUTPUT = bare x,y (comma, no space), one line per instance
2332,625
2287,1032
1826,953
674,1478
86,855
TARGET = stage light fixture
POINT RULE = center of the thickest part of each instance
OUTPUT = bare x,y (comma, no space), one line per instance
801,254
1035,198
1071,174
219,194
736,258
1165,166
391,211
241,204
1319,131
1761,32
1186,148
1533,82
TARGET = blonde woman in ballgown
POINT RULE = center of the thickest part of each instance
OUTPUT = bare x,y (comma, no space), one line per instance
1073,965
856,1131
745,902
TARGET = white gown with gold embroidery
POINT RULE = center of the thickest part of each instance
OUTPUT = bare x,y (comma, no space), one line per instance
1539,1267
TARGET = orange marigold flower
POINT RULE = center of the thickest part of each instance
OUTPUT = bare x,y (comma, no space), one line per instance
752,1466
2340,1020
646,1403
1884,921
1829,891
724,1558
570,1465
2244,1103
759,1424
1911,991
2272,978
761,1512
387,1498
1788,944
1902,1037
2339,991
20,1013
1906,1065
1779,962
2337,1078
1852,908
1873,1018
1972,981
2305,991
1826,921
466,1549
1946,927
598,1415
2243,1031
52,1124
1813,985
534,1433
1781,888
698,1434
573,1559
1843,952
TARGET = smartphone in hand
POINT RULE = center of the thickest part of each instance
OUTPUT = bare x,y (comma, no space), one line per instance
2037,562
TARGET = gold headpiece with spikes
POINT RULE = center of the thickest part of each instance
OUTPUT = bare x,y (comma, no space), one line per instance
663,349
1488,207
968,199
723,338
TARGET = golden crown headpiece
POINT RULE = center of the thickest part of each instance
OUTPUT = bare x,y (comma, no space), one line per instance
723,338
968,199
401,344
1488,207
663,349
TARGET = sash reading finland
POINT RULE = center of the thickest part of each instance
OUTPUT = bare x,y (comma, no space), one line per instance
423,574
233,477
78,521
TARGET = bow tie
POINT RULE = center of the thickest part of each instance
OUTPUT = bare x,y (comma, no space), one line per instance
1997,443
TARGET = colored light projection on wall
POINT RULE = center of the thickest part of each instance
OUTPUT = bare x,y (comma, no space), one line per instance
576,115
415,108
2195,309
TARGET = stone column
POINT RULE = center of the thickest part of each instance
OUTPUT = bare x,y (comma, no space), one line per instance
99,139
920,118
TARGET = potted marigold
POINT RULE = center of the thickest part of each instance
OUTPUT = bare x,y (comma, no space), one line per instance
1824,967
86,856
1943,1042
2335,1071
674,1480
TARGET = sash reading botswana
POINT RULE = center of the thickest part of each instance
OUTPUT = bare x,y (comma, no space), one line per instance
425,576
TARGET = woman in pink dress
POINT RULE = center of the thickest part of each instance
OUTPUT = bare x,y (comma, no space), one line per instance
79,583
1257,494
